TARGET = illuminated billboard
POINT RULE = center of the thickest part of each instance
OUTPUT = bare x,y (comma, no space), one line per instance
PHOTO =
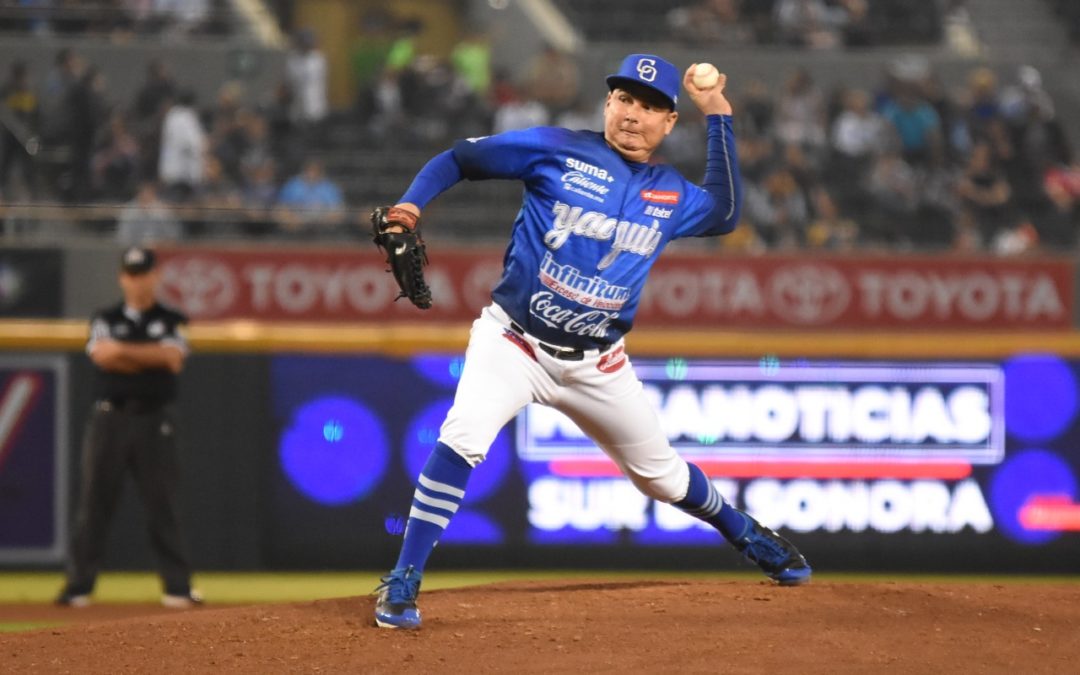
33,451
896,458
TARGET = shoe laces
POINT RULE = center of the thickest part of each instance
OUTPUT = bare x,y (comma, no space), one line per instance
402,585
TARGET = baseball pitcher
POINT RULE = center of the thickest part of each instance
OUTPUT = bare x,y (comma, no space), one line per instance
595,216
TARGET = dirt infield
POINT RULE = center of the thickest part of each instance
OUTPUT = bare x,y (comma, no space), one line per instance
549,627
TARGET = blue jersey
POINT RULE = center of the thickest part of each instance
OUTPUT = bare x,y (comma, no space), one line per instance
591,225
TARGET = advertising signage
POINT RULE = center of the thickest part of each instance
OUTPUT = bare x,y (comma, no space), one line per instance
855,293
33,445
943,465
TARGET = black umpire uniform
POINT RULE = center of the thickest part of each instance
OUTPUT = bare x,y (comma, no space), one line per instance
138,350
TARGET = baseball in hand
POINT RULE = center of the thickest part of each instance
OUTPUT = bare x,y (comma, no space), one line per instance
706,76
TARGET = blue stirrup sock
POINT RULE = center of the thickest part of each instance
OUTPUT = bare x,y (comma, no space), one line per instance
439,491
703,502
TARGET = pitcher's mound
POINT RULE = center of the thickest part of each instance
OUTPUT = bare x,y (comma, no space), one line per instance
616,627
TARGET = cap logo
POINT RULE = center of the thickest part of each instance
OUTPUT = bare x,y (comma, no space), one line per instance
646,69
134,257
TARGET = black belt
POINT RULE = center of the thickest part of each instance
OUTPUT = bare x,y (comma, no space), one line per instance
561,353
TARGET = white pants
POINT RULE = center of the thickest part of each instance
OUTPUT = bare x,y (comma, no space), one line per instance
505,371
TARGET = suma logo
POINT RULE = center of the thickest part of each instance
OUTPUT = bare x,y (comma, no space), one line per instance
590,170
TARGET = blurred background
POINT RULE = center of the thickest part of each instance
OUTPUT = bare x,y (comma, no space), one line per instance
882,360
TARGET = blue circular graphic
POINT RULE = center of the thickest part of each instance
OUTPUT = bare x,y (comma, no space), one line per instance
423,432
1022,476
441,369
1040,397
335,451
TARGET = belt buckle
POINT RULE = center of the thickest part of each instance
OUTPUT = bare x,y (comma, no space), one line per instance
564,353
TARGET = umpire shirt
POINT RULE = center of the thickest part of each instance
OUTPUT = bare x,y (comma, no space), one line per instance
149,388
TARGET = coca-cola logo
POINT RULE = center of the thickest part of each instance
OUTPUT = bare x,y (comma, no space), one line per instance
201,287
593,323
809,294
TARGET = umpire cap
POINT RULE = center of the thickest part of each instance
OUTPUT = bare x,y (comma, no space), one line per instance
137,260
650,71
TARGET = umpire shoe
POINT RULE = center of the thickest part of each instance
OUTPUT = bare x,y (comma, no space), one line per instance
396,606
776,556
69,599
187,600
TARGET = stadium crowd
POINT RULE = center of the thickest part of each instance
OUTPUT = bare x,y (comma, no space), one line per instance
914,163
117,19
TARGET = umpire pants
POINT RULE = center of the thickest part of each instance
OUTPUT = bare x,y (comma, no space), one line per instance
119,438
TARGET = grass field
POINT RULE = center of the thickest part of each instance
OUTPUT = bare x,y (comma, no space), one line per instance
268,587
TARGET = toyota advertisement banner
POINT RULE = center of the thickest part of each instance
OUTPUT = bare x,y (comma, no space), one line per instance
800,293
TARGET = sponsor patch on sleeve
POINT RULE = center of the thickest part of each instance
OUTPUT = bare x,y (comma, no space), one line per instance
660,196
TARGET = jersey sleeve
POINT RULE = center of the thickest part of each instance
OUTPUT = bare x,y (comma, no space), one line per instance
176,336
508,155
512,154
99,330
714,207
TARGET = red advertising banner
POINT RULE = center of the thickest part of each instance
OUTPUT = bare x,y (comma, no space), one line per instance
798,292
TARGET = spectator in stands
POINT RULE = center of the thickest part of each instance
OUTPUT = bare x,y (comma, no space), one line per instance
916,124
182,16
858,132
306,73
158,88
553,79
756,110
147,219
183,148
757,157
57,117
282,135
982,109
894,187
257,149
807,23
1018,98
18,130
778,209
367,57
310,202
228,129
854,22
89,113
829,229
1062,186
217,192
709,23
519,112
152,101
471,60
800,113
115,165
986,195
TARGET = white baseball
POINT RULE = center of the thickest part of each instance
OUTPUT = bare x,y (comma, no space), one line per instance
705,76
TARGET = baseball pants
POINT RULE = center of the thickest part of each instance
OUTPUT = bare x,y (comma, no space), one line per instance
506,370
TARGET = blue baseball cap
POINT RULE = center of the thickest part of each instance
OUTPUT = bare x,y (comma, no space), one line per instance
650,71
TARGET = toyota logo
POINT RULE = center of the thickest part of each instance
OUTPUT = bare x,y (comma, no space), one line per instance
201,287
809,294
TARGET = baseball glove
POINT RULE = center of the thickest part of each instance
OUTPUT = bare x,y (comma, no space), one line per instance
405,252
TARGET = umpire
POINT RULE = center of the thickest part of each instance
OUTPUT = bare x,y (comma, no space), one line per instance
138,352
